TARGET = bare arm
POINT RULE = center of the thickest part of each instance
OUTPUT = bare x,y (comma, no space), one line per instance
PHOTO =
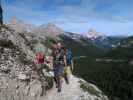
65,62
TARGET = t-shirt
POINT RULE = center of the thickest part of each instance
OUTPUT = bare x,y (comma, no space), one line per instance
58,56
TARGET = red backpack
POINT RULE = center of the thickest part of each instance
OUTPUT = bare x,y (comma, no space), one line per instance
40,57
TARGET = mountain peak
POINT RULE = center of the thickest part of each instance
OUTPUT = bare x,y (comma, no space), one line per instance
51,25
19,25
94,34
49,30
13,20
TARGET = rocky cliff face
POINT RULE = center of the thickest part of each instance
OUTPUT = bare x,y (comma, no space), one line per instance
26,41
19,77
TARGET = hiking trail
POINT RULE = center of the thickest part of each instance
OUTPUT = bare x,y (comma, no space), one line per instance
70,91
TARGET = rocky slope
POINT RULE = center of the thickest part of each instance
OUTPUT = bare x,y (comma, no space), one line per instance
19,78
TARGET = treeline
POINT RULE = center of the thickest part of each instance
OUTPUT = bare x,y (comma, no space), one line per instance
114,79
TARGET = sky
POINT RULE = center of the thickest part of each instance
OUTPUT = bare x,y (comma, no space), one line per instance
111,17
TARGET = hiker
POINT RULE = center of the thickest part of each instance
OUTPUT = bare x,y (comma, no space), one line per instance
69,65
59,60
39,59
41,63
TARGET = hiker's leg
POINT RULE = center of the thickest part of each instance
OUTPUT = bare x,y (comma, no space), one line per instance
59,83
59,72
67,72
41,78
56,82
55,76
43,88
66,78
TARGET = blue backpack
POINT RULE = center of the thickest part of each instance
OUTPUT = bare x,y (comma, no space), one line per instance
69,57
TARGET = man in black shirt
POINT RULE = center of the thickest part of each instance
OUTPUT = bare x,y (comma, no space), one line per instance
59,60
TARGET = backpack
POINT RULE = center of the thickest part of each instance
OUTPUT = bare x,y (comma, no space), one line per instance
40,57
69,57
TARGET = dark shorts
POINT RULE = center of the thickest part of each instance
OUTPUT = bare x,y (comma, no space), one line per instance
58,70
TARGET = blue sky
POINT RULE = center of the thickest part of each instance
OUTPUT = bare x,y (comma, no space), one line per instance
112,17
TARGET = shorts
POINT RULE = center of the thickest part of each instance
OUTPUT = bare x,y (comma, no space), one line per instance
67,70
58,70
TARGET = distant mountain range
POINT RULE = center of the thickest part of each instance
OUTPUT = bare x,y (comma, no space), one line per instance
123,50
94,43
50,29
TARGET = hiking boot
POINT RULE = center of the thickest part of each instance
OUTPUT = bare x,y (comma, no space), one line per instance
59,90
66,80
56,85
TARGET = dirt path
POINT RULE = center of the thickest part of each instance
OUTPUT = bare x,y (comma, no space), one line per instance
69,92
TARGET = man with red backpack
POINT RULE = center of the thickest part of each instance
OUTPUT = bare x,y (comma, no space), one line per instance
40,58
39,61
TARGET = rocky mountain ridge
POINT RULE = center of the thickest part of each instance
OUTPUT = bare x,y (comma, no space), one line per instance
18,77
51,30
